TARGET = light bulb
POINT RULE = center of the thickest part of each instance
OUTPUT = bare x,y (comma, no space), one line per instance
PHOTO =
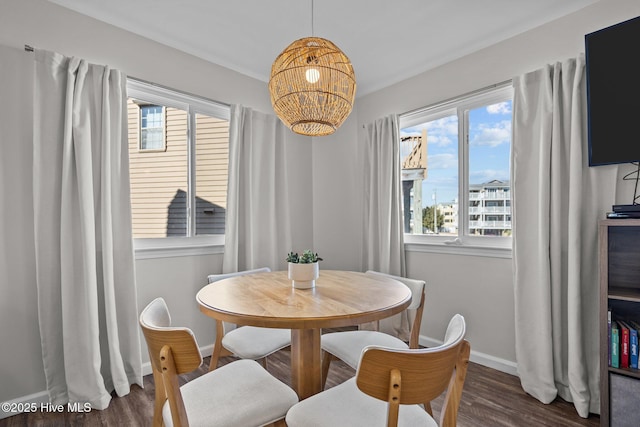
312,75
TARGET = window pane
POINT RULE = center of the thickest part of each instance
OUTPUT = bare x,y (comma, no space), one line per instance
489,151
429,156
158,178
212,158
151,127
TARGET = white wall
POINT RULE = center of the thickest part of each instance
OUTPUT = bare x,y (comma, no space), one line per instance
177,280
480,288
337,199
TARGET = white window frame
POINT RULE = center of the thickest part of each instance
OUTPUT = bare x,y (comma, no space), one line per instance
463,244
191,244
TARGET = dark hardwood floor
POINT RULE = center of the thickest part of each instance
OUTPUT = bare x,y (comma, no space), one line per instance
490,399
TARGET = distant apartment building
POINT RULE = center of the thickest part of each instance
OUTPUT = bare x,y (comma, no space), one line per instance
490,209
450,214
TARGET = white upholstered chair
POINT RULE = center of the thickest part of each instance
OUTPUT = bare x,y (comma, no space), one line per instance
246,342
390,385
239,393
348,345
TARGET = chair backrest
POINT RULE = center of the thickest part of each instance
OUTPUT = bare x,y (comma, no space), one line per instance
215,277
172,351
155,321
226,326
416,376
415,309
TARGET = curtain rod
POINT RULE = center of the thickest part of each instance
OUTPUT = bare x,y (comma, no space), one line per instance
28,48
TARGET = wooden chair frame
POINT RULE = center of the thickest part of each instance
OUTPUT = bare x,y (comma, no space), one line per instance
172,351
220,351
415,376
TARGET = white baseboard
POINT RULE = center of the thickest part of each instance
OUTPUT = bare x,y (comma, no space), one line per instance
27,402
483,359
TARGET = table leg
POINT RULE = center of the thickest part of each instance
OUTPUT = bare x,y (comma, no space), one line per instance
306,369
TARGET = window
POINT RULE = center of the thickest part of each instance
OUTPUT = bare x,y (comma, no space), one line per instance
455,170
178,162
152,127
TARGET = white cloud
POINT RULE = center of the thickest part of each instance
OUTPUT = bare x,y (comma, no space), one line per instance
442,161
486,175
499,108
448,125
440,140
492,135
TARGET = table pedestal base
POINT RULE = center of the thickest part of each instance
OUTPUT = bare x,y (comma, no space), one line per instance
306,366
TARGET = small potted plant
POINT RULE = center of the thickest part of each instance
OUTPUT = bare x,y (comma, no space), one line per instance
303,270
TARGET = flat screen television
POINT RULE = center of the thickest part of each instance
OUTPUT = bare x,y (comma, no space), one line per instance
613,93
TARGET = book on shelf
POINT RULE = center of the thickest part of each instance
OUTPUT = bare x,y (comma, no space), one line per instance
609,334
624,344
633,343
615,345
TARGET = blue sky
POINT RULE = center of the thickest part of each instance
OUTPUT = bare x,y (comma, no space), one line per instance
489,140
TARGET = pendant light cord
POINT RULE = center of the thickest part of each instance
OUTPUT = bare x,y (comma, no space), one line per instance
312,33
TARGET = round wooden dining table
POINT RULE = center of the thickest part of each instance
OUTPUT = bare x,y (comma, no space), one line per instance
339,298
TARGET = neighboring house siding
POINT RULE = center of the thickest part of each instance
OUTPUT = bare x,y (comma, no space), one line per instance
159,178
212,165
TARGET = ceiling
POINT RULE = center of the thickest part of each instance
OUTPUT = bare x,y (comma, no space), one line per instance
386,41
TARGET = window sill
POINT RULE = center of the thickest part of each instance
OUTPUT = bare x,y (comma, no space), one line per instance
170,247
431,244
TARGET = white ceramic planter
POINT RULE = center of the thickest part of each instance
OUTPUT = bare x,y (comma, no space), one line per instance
304,275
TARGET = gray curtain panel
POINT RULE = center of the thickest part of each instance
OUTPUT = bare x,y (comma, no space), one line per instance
265,213
84,248
557,201
383,232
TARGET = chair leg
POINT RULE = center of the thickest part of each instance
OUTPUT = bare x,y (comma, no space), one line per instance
215,356
160,398
427,407
218,350
326,363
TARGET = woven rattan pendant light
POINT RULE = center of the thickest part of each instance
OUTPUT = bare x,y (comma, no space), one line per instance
312,86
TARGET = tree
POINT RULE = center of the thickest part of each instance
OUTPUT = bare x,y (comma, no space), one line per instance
427,218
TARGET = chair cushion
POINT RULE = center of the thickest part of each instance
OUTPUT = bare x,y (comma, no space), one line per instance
348,345
346,405
250,342
240,393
